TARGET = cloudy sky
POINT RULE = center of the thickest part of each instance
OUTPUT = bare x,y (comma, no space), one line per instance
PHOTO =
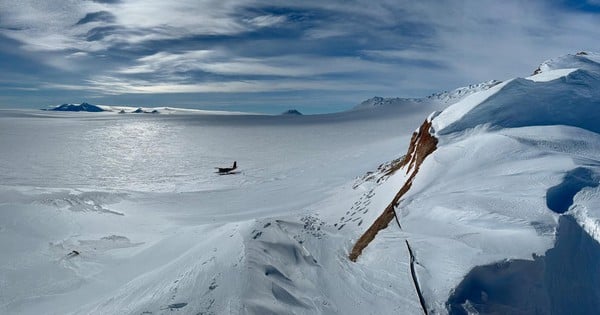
268,56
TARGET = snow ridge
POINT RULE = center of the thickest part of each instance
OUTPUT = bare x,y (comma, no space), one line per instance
497,152
446,97
581,60
551,121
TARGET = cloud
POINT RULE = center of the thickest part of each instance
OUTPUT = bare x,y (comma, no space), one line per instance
222,62
100,16
266,20
63,24
115,86
323,33
107,1
390,47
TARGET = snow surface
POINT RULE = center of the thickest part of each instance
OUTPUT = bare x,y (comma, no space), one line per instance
572,100
158,232
504,154
582,60
550,75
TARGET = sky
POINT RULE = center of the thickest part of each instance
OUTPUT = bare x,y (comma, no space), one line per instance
270,56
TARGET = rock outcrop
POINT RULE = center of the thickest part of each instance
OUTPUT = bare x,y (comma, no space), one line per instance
421,145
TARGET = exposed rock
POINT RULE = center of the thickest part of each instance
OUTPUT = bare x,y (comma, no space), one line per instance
83,107
292,112
422,144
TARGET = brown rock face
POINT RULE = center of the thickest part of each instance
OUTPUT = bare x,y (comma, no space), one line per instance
421,145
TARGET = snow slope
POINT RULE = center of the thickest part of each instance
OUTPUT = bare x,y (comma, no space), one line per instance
156,231
505,157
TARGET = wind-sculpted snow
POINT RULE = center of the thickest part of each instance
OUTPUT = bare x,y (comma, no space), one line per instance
572,100
512,155
560,197
507,159
562,281
582,60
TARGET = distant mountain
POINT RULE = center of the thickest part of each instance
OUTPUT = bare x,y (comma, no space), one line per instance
442,97
292,112
139,110
378,101
83,107
87,107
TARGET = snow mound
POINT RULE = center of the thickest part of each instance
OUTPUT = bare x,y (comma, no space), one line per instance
581,60
83,107
572,99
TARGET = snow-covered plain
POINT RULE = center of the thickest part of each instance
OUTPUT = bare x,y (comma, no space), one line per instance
156,228
156,231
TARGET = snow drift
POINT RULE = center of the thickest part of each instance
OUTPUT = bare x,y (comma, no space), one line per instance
510,166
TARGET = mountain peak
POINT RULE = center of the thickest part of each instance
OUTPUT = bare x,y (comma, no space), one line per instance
292,112
83,107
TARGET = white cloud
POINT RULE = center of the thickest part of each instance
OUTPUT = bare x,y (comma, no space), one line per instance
224,63
52,25
322,33
115,86
473,41
266,20
78,54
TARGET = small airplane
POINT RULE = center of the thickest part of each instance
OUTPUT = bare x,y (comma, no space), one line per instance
227,170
